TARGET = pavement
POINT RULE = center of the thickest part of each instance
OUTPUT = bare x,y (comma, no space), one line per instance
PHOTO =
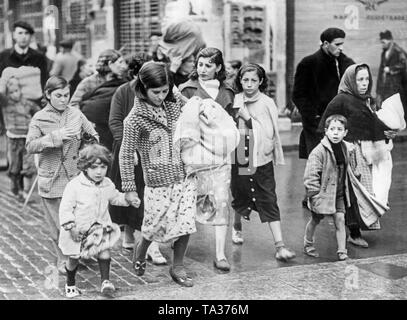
27,261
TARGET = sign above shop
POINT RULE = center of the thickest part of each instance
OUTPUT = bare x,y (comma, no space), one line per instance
371,4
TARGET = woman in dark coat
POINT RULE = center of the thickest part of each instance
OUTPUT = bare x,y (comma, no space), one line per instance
130,217
354,101
95,104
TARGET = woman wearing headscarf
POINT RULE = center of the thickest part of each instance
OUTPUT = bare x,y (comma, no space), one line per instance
370,137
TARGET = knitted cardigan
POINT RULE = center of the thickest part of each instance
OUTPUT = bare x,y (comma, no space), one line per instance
153,139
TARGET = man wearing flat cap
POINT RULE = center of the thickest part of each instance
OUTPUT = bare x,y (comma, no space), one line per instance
66,61
392,76
25,63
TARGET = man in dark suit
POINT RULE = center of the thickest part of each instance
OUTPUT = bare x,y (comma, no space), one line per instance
316,83
392,71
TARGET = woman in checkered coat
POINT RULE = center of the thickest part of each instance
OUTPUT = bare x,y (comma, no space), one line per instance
169,197
55,133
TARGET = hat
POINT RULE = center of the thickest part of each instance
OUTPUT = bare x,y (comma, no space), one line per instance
332,33
24,25
386,35
109,55
67,43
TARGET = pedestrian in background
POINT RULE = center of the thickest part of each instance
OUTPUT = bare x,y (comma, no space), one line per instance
55,133
169,198
95,104
66,61
86,228
253,184
232,67
369,136
316,83
328,160
17,112
130,217
392,75
107,59
83,70
207,82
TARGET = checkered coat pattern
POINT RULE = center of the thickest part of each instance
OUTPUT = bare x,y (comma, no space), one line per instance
152,137
57,158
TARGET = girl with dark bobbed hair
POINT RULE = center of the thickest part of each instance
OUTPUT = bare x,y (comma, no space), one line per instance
55,133
169,197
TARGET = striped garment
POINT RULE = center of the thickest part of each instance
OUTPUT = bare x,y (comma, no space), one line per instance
149,130
57,158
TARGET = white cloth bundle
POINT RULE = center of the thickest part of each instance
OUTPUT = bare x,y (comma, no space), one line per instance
206,134
392,113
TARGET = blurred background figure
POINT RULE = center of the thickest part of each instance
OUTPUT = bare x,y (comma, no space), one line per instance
392,76
83,69
66,61
232,67
181,42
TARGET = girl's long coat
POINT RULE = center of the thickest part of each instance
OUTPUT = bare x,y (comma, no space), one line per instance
86,203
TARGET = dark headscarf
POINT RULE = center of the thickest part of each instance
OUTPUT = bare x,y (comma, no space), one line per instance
348,82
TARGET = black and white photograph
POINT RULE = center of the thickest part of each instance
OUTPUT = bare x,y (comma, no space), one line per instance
215,151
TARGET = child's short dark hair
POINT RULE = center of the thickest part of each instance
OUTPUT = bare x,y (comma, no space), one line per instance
91,153
336,117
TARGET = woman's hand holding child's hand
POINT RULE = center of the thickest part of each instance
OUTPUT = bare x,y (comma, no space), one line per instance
133,199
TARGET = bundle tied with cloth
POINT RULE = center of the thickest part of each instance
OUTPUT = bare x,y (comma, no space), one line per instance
181,39
378,153
207,136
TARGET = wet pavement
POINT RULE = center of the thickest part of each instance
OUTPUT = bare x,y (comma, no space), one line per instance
380,272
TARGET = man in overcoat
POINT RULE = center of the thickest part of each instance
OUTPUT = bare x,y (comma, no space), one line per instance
316,83
392,75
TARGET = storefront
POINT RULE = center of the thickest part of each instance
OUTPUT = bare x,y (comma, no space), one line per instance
362,21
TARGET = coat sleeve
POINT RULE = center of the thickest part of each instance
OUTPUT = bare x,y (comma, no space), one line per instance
400,65
88,128
36,142
68,205
302,93
127,153
117,115
313,174
80,91
117,198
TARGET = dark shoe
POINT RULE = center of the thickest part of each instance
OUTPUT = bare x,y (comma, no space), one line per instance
179,275
359,241
139,267
222,265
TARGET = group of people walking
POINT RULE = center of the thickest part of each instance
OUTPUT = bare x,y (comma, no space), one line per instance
157,146
334,97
